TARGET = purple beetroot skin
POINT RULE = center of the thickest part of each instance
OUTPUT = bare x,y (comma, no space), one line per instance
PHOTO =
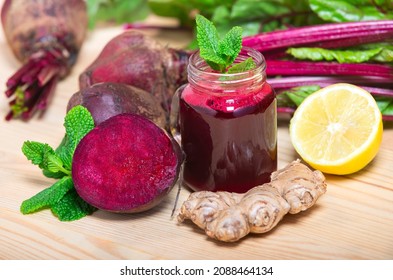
126,164
105,100
138,60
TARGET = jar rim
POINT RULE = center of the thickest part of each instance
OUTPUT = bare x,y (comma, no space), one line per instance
197,66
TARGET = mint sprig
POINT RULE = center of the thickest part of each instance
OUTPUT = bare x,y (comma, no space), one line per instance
61,197
220,54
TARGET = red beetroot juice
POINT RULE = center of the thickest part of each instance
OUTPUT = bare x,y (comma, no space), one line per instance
228,127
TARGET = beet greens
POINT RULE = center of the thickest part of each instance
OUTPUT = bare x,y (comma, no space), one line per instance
302,60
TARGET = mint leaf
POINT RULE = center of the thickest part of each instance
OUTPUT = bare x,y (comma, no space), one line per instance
64,151
71,207
44,156
230,46
208,42
54,163
35,151
78,122
47,197
243,66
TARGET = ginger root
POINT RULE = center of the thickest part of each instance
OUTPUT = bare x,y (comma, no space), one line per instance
229,216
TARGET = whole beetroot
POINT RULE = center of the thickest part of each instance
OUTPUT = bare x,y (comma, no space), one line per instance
136,59
105,100
46,37
126,164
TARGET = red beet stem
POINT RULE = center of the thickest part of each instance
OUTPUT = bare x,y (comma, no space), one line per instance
282,110
26,107
388,118
285,106
375,85
383,92
46,74
47,93
375,91
30,75
31,91
13,81
300,68
291,111
9,116
35,83
354,41
288,82
367,30
285,110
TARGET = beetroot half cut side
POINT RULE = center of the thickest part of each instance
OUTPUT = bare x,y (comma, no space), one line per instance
126,164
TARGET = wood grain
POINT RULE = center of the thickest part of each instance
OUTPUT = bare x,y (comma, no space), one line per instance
353,220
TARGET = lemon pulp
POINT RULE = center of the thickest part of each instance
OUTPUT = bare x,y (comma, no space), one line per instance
338,129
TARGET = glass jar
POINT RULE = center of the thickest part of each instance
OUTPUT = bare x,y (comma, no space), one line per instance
227,125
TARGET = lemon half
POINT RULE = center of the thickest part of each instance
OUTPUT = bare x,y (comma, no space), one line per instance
338,129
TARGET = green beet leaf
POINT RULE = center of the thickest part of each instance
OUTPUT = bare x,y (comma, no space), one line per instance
386,53
354,10
342,56
385,105
119,11
298,94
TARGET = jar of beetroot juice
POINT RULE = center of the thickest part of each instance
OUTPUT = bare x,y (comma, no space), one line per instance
228,126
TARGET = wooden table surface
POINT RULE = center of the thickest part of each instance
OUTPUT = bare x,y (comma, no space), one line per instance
353,220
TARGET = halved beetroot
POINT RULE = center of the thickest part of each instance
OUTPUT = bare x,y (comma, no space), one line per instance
126,164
